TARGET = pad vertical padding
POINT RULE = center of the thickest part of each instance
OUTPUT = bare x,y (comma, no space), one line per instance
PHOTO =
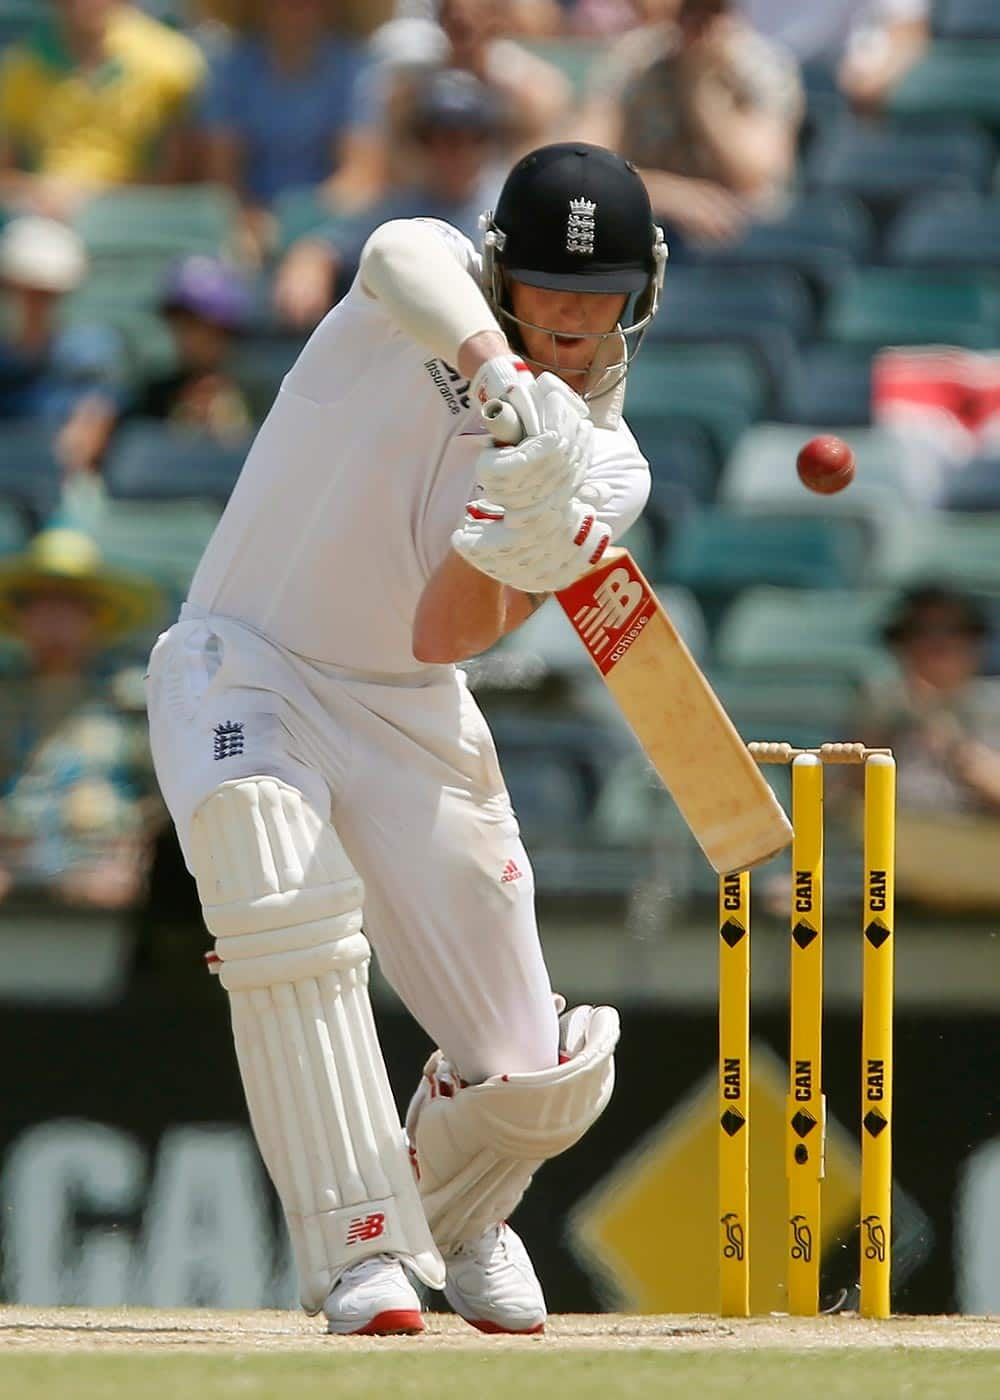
284,904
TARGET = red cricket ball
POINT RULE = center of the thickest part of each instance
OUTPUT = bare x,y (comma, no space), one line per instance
825,464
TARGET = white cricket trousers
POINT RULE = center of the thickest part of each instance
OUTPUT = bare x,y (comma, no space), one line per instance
406,771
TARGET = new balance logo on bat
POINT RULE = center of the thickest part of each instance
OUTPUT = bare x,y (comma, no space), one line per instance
365,1227
609,610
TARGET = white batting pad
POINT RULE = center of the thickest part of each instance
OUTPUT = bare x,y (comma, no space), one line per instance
477,1146
284,905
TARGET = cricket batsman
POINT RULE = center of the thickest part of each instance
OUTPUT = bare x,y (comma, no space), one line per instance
328,771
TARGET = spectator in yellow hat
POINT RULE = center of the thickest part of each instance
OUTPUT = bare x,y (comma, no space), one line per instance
77,795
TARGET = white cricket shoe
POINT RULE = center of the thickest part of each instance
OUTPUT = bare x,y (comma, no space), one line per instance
492,1284
373,1299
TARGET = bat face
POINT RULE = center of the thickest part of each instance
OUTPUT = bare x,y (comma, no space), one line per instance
675,715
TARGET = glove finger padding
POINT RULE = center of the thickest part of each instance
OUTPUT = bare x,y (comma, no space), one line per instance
536,469
542,554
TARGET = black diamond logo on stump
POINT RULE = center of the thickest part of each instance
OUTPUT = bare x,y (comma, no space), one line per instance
803,933
803,1123
731,932
732,1121
877,933
875,1122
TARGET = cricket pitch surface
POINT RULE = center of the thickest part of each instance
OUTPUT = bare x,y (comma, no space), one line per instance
157,1354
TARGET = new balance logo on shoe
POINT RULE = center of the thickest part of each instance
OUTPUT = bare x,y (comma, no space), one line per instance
510,872
365,1227
228,739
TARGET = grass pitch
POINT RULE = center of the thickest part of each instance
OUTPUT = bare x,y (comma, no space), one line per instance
582,1375
111,1354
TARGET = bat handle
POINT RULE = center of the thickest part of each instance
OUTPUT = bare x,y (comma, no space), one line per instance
501,422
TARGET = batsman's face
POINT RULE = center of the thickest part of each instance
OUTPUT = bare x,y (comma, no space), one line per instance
564,329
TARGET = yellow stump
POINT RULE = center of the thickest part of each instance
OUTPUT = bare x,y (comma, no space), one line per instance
734,1095
876,1036
805,1117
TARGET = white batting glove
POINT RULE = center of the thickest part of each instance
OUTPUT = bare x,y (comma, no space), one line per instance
545,552
549,467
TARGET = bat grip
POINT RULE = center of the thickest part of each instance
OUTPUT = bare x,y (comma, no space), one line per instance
501,422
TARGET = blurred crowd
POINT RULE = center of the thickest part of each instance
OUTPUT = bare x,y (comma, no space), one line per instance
185,189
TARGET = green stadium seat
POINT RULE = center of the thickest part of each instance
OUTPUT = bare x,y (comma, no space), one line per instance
30,474
952,80
797,630
158,222
894,306
14,531
821,237
976,486
718,554
956,547
885,163
953,231
887,496
153,461
829,384
299,212
967,19
719,389
811,704
165,542
769,312
260,363
760,474
17,19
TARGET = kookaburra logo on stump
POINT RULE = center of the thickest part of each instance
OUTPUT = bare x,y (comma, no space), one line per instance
580,226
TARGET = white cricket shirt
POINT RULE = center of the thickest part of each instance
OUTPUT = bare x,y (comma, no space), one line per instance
353,486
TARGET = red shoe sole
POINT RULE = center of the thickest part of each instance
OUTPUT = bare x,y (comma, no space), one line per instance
391,1323
494,1329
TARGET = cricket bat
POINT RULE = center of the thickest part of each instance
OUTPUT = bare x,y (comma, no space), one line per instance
676,715
666,699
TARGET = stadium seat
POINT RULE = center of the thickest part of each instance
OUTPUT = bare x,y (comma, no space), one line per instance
960,548
951,80
896,306
719,553
967,19
760,474
17,19
954,231
151,461
797,630
975,486
260,363
717,389
812,704
821,236
14,531
553,770
164,543
769,312
155,223
829,384
298,213
884,164
29,472
679,454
